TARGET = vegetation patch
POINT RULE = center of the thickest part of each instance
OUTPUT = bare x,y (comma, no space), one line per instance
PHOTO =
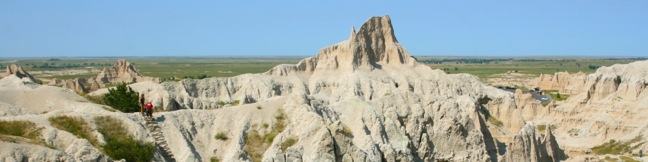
287,143
74,125
223,103
122,98
495,121
615,147
346,131
24,130
491,119
120,144
541,128
257,143
627,159
221,136
555,95
214,159
95,99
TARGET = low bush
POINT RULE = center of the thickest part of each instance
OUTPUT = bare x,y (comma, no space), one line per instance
74,125
120,144
221,136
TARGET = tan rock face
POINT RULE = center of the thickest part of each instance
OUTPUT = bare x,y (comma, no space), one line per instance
610,104
528,145
121,71
564,82
372,47
17,70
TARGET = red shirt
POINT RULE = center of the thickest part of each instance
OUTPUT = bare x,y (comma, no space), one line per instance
148,106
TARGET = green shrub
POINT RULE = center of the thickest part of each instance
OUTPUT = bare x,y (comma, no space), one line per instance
120,144
555,95
122,98
24,129
221,136
74,125
289,142
214,159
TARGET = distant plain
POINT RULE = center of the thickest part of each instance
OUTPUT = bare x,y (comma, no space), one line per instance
176,68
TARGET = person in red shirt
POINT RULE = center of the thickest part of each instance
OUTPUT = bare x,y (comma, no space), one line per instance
148,109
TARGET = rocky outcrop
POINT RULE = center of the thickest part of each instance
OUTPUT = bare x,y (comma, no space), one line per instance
609,104
121,72
563,82
528,145
627,81
18,71
373,46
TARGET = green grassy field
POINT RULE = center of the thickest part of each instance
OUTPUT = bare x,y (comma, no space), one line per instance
199,67
485,68
163,67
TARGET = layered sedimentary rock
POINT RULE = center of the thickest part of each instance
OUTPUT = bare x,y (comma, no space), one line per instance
121,72
609,104
563,82
528,145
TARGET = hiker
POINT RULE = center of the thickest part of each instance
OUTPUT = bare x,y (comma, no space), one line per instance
141,104
148,109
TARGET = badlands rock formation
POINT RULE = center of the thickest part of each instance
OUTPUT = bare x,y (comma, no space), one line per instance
18,71
395,108
364,99
563,82
121,71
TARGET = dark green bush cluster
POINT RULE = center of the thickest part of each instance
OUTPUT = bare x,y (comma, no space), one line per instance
122,98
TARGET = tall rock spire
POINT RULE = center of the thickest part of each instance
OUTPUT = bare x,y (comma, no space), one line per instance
372,46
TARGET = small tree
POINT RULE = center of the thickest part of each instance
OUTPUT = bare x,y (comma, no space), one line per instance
122,98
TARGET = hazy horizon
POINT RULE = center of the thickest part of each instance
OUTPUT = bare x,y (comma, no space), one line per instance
294,28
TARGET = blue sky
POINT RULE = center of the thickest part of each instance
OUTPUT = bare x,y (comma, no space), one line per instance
284,28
